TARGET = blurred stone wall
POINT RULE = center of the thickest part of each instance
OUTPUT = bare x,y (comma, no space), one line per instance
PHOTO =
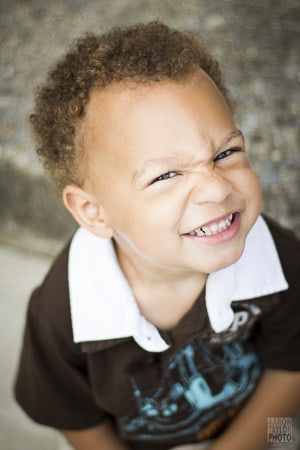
257,43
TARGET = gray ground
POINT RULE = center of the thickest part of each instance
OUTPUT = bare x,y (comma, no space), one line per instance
257,43
17,432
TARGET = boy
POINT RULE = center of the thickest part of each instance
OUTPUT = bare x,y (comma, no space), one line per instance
171,317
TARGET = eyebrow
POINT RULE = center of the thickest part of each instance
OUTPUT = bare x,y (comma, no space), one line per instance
156,162
232,135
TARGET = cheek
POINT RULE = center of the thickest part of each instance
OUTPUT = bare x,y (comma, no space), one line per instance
253,184
247,183
251,190
131,215
167,210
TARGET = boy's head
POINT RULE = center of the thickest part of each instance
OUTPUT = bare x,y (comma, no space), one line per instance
137,130
139,54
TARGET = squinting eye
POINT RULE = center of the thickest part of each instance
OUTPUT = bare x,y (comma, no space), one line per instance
165,176
227,153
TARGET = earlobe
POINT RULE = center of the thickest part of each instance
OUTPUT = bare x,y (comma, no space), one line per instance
86,210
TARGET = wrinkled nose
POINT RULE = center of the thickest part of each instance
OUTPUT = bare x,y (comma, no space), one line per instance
211,187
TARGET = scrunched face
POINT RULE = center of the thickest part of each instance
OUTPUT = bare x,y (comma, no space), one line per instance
169,172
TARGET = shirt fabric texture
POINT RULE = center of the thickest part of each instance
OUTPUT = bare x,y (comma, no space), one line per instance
161,388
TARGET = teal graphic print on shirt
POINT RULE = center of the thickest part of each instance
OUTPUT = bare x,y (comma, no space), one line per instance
197,386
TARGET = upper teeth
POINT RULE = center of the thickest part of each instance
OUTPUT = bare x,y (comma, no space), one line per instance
214,228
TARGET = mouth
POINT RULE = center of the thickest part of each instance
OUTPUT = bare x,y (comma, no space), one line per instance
215,227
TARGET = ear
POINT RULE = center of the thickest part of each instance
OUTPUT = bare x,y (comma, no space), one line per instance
86,211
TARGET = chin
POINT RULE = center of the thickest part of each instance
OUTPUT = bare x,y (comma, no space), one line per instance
225,261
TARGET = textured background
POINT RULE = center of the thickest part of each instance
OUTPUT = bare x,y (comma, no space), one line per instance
256,42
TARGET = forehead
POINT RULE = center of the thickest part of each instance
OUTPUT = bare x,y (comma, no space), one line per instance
139,121
111,101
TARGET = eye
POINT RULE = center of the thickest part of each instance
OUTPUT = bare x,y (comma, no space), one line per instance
227,153
164,176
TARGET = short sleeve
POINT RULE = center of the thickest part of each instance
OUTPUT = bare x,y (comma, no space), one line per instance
277,336
52,383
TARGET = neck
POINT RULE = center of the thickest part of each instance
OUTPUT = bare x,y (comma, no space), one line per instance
165,305
163,295
139,268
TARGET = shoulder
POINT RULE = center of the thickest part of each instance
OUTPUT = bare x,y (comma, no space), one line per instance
277,336
49,306
288,248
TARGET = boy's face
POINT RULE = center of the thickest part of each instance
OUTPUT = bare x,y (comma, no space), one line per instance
168,168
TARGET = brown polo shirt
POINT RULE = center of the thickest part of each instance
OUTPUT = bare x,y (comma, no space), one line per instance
185,394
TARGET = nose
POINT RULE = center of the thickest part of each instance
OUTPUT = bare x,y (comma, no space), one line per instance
210,187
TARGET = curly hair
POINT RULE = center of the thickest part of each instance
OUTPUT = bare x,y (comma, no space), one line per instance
142,53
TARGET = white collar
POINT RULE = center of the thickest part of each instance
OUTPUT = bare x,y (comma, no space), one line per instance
103,306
